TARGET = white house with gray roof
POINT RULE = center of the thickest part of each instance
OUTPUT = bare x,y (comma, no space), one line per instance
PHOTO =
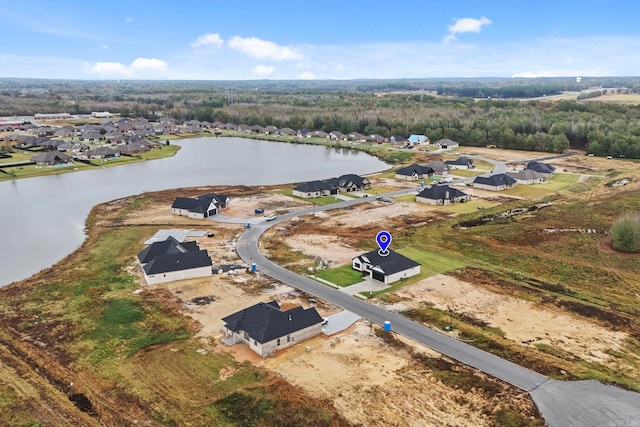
386,269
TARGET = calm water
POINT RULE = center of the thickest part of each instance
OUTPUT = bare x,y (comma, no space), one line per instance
43,218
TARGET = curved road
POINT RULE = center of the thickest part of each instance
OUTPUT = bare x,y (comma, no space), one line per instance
570,403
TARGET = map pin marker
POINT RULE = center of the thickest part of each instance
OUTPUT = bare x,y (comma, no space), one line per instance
383,238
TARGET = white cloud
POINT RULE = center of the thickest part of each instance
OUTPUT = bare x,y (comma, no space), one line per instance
264,49
140,67
105,46
108,69
466,25
128,19
262,70
307,75
208,40
149,64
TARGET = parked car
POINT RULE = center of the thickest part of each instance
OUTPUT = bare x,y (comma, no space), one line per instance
271,217
259,211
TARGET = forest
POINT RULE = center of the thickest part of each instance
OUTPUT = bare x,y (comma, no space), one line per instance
508,113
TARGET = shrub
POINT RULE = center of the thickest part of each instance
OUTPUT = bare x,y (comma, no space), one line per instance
625,234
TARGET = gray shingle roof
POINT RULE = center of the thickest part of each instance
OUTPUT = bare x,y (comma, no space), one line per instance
265,322
390,264
414,168
495,180
177,262
441,192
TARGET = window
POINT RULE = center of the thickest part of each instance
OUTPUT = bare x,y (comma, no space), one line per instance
246,336
288,338
278,342
356,264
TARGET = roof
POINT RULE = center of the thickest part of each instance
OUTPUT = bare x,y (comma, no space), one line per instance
441,192
166,247
266,322
51,156
415,168
417,138
525,174
390,264
446,141
463,161
541,167
345,180
311,186
495,180
177,262
200,203
437,165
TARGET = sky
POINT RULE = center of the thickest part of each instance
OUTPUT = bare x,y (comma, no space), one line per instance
321,39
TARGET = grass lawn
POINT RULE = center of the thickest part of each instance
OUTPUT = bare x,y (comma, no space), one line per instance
432,262
342,276
18,156
468,172
560,182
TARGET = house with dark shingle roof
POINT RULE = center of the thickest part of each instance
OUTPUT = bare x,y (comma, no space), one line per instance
496,182
439,167
441,195
199,207
460,163
350,182
386,269
446,144
545,169
527,176
51,158
414,172
170,260
313,189
266,328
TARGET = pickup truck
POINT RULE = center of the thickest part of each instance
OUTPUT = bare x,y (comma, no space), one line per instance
271,217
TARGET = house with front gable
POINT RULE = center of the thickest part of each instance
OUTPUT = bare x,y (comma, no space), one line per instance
349,183
497,182
546,170
171,260
418,140
386,269
461,162
414,172
200,207
439,167
527,177
314,189
266,328
51,158
446,144
441,195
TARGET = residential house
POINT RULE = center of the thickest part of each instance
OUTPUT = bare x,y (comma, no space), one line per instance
51,158
495,182
134,147
378,139
439,168
266,328
441,195
460,163
356,137
257,129
418,139
336,135
414,172
171,260
102,153
527,176
200,207
397,140
270,130
313,189
386,269
286,132
349,183
545,169
446,144
318,134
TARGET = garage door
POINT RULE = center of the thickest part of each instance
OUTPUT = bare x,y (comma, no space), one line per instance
378,276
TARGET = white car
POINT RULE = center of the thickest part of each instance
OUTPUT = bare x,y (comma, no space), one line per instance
271,217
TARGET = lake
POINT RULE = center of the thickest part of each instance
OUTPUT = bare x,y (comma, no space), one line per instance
43,217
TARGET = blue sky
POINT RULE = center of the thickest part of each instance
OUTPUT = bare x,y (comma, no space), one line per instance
347,39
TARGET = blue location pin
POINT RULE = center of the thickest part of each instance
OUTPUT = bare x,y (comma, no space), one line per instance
383,238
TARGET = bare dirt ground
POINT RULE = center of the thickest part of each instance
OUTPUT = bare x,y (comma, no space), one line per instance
355,369
522,321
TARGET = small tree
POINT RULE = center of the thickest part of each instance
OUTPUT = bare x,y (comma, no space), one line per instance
625,234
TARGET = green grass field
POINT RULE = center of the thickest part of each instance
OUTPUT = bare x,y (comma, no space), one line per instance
432,262
342,276
560,182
